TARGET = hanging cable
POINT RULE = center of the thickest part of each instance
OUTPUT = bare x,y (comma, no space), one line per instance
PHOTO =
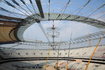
43,31
63,10
49,10
93,11
36,10
100,16
26,6
45,34
96,10
56,65
69,50
32,5
90,42
81,8
14,7
86,68
77,9
53,34
20,6
11,11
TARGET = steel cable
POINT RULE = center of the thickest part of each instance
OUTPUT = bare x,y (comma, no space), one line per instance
69,50
14,7
76,9
10,11
63,10
32,5
45,34
96,10
26,6
49,10
79,9
20,6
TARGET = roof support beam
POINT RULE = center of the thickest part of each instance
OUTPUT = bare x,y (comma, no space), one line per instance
98,61
2,21
38,2
6,17
8,23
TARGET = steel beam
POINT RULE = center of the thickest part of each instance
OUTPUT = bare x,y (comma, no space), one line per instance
98,61
13,18
3,21
38,2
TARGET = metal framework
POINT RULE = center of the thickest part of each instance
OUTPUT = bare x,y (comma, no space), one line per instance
98,61
86,38
87,20
93,36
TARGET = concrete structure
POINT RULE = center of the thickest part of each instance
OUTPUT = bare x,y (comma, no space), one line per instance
79,56
75,53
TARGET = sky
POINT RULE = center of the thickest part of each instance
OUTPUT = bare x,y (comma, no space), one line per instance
57,6
65,28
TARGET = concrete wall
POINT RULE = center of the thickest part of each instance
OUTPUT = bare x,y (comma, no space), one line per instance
78,53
